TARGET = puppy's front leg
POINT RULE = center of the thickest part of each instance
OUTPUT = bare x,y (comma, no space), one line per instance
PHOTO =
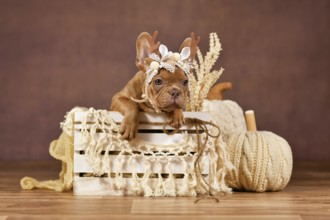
130,111
176,118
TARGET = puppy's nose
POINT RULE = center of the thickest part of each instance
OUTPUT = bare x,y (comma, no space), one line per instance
174,93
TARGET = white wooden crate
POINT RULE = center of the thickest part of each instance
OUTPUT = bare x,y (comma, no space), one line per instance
150,130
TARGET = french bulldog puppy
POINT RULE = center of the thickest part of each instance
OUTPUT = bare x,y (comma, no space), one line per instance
166,90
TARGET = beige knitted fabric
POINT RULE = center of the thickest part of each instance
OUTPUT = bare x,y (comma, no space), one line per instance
61,149
263,161
227,114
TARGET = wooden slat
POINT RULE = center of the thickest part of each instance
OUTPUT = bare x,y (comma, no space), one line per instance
190,214
81,165
78,139
145,117
145,126
161,139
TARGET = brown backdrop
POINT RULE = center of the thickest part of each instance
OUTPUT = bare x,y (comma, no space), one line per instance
55,55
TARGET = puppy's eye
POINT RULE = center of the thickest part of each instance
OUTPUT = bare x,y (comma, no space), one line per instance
185,82
158,82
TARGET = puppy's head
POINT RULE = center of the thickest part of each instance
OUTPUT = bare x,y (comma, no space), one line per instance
168,90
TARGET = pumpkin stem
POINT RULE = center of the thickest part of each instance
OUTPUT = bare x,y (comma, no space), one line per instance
250,120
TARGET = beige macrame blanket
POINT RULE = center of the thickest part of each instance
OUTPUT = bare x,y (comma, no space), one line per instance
62,149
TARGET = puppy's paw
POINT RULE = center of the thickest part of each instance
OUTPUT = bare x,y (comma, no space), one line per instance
177,119
128,128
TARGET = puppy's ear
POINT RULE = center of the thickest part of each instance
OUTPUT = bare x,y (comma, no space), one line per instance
192,43
145,45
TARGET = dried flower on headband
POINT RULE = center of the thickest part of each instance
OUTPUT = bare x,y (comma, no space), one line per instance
168,61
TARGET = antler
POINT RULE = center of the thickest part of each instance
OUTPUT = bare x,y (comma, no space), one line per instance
153,47
193,45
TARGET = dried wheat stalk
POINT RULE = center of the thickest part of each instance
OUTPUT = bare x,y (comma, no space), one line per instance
202,79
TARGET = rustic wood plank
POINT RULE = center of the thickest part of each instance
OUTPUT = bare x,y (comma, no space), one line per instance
306,196
315,217
153,217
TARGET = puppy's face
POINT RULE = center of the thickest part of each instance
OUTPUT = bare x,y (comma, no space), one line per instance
169,90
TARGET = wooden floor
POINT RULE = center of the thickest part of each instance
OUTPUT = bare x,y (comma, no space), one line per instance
306,197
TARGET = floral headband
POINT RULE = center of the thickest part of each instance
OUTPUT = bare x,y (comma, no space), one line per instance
168,61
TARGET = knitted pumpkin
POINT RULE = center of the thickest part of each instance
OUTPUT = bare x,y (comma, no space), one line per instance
262,159
226,114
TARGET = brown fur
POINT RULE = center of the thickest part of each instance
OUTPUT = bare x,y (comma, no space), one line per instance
169,97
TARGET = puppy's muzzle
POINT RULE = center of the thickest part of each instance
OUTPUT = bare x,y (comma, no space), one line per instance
175,93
